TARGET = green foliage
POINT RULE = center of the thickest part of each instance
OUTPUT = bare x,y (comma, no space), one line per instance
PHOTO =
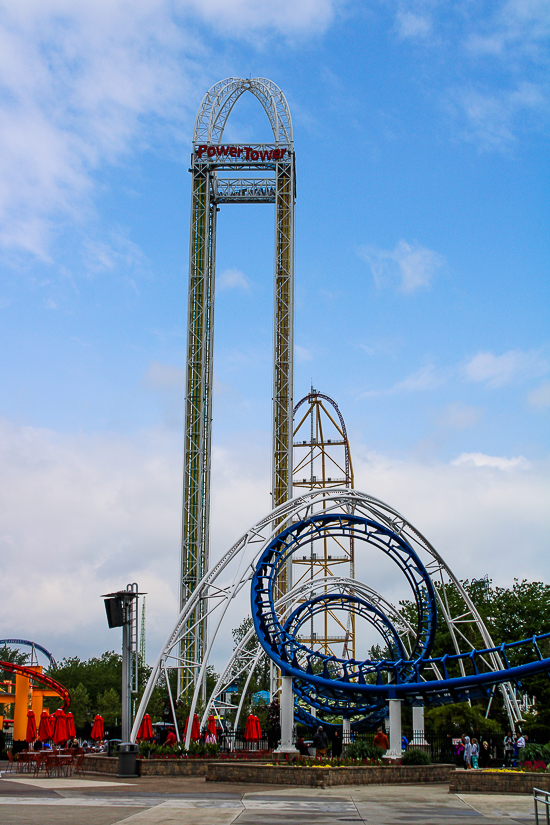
80,705
460,718
110,707
363,750
96,674
535,753
414,756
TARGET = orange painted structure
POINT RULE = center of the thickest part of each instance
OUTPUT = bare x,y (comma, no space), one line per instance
31,686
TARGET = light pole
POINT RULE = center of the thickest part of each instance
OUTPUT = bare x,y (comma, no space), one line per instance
122,609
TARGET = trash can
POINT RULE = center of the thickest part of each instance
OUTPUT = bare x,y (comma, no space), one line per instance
127,755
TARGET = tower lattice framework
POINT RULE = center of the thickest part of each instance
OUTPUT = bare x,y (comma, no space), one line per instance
322,460
223,174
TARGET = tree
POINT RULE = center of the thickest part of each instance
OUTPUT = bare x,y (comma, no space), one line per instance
96,674
80,705
110,707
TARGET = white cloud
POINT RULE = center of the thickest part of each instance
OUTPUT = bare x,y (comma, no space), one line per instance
511,366
459,416
410,25
482,520
232,279
408,266
426,378
164,376
85,84
540,398
494,461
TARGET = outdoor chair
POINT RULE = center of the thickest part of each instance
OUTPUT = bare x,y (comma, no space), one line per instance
50,765
78,764
10,762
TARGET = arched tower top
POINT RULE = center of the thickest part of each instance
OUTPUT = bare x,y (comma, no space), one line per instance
222,96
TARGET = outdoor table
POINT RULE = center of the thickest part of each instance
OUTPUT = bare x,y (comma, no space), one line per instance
59,763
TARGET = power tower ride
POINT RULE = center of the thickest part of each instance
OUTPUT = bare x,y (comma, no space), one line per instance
217,169
322,460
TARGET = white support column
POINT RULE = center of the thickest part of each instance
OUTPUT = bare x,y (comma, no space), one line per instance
287,716
395,750
346,733
418,737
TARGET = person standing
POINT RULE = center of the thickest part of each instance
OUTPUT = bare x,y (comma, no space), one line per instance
336,744
520,744
475,753
467,753
320,742
484,755
508,749
381,740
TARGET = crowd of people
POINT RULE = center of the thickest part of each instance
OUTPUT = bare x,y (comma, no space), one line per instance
471,754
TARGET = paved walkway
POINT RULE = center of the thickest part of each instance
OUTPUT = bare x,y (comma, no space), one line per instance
192,801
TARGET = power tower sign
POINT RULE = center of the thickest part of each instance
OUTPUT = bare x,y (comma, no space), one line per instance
232,173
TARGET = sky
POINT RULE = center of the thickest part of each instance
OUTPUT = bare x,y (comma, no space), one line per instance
422,280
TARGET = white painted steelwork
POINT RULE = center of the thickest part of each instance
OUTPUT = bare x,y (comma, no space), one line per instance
233,572
273,181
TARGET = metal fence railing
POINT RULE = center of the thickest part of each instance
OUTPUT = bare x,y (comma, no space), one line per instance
541,798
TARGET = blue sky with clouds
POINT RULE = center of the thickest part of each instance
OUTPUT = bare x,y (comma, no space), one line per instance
422,273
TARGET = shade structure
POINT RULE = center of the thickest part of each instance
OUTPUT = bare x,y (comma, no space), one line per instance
145,729
44,727
250,728
211,726
195,728
258,728
98,731
71,731
60,727
31,727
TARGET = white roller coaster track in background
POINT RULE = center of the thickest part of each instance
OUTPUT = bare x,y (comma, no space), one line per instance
225,580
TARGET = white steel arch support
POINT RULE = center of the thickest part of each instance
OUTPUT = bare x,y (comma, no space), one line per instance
234,570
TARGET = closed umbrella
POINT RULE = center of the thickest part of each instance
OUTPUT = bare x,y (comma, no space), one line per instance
195,728
31,727
145,729
258,729
98,731
71,731
60,727
250,728
44,727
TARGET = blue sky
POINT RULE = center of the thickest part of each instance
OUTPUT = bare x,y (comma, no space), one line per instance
422,264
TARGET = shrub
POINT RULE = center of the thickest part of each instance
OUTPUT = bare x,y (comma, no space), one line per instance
414,756
535,753
363,750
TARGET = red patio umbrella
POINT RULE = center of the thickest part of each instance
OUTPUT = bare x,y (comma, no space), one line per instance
31,727
44,726
60,727
71,731
98,731
211,726
250,728
258,729
195,728
145,729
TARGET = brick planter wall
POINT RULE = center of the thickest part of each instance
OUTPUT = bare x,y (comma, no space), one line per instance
480,781
326,777
100,764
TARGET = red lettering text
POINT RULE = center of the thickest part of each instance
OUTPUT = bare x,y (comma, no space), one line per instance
201,150
211,151
276,154
254,154
233,152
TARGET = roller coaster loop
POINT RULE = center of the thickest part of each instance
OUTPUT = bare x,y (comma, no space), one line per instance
348,686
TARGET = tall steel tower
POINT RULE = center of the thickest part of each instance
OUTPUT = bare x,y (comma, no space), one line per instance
217,169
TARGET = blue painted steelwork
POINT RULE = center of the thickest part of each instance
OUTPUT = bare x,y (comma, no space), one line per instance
43,650
349,687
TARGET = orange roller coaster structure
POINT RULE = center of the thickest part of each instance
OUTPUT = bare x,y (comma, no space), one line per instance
31,686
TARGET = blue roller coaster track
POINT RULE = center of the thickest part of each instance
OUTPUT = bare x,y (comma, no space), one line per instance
360,688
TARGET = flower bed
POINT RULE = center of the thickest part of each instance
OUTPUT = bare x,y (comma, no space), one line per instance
323,775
